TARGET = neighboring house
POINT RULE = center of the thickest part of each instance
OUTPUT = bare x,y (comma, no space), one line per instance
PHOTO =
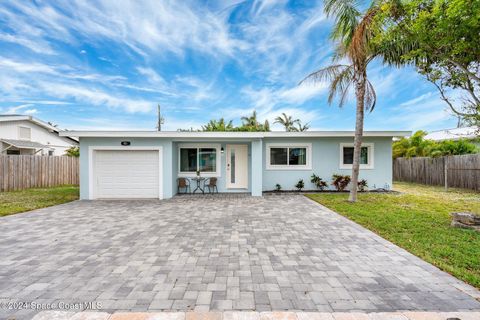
468,133
135,164
26,135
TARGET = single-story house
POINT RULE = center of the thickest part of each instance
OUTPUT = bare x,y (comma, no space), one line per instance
27,135
147,164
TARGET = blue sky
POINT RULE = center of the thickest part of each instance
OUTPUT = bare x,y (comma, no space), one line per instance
106,64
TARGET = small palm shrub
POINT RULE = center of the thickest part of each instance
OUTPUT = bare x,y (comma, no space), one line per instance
340,182
362,185
300,185
278,187
318,182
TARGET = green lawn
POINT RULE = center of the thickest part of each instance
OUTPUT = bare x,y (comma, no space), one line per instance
25,200
418,220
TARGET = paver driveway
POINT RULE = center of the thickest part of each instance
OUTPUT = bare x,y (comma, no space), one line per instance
204,253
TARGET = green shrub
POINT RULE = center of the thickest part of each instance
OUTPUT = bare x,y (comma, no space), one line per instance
418,146
318,182
73,152
362,185
300,185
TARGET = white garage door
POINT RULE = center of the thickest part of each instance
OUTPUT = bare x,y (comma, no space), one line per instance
125,174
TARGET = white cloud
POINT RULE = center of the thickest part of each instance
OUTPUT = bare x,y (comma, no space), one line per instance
47,102
38,45
26,66
415,101
61,82
151,75
96,97
303,93
270,103
268,98
17,109
31,111
141,25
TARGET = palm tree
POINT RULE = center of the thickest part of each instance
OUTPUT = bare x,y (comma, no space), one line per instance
250,123
300,127
352,31
287,122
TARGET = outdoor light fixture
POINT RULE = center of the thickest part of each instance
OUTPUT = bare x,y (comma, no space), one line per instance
222,150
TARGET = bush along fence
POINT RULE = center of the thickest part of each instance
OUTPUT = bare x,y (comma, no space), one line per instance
23,172
461,171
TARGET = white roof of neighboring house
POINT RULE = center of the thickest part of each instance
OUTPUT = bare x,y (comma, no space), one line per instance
453,134
24,144
49,127
238,135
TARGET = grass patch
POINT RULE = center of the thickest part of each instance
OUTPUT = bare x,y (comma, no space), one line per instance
418,220
25,200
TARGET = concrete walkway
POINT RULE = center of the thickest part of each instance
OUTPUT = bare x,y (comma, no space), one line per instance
192,253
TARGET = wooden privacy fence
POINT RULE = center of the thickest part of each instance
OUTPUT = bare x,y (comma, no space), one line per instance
461,171
23,172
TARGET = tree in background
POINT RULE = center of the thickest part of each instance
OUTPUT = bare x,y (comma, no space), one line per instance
250,123
301,127
73,152
218,125
287,122
441,39
418,146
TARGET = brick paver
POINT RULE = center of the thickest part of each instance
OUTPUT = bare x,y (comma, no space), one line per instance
276,253
238,315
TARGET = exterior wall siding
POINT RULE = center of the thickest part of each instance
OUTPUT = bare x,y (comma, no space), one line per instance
221,183
326,162
166,144
9,130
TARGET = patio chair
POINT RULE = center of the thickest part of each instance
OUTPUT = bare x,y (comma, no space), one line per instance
183,183
211,184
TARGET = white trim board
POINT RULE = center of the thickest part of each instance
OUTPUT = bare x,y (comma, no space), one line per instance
178,135
91,149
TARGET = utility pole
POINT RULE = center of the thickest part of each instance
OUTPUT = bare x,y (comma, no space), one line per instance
160,120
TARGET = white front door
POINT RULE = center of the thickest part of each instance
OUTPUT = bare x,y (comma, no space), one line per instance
237,166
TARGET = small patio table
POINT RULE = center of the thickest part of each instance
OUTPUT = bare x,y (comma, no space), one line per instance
198,180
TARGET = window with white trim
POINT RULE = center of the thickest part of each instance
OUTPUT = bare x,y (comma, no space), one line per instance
289,156
203,158
346,156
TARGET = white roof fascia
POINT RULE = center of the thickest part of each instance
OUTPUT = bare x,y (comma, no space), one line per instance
226,135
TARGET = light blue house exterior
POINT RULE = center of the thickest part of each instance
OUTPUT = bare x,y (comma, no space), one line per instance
135,164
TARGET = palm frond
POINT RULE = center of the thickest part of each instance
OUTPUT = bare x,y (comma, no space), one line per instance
346,15
358,49
325,74
339,52
370,96
340,84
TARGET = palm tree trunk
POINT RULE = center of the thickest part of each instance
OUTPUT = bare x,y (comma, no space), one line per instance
357,142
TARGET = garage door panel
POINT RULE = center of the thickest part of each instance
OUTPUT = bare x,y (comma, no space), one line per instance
126,174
